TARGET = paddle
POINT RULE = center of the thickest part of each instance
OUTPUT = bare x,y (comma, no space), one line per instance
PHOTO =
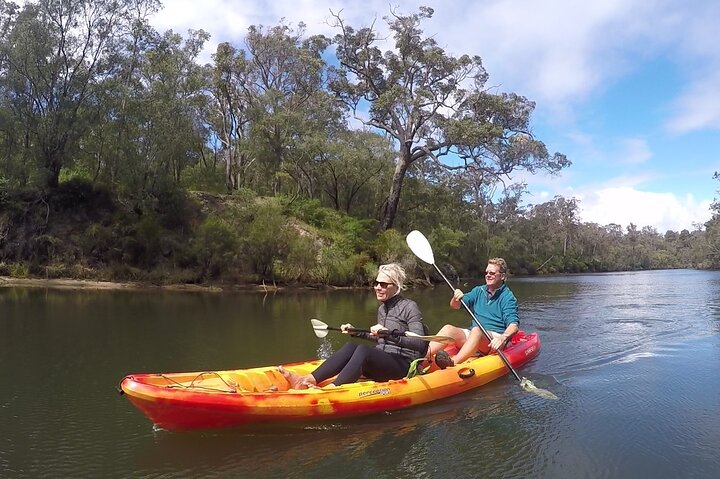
421,248
321,329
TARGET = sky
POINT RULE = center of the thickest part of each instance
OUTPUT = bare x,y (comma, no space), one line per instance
628,90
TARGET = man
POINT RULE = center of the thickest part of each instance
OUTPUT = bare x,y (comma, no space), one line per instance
494,305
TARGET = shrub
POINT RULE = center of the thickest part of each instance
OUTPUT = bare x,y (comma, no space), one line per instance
336,267
265,239
301,261
389,246
19,270
199,178
215,246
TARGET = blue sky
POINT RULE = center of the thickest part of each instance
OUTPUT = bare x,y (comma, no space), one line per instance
629,90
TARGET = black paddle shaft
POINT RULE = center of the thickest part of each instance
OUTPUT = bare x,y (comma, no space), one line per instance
393,334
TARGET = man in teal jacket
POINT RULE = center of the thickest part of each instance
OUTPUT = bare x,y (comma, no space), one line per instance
494,305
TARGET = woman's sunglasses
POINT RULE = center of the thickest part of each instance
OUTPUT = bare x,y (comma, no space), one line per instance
382,284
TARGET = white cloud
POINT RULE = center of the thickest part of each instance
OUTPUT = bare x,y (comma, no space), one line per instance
699,106
625,205
556,52
633,151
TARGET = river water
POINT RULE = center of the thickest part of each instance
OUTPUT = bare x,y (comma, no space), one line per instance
632,357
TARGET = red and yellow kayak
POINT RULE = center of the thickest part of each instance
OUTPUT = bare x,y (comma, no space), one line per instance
214,399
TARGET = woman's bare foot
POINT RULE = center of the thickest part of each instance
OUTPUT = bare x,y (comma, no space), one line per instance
296,381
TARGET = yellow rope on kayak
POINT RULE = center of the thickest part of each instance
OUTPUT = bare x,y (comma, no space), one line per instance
232,387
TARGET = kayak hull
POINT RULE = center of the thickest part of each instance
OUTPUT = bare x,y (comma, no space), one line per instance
217,399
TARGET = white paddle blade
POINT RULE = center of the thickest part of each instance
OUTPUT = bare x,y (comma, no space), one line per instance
320,328
321,333
317,324
420,246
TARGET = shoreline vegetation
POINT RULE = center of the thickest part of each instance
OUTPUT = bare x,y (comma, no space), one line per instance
78,284
90,238
127,164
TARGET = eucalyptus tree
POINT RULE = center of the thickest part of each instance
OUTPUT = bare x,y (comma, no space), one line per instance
712,232
229,116
592,244
433,196
56,56
434,105
173,131
353,170
545,228
10,134
569,222
632,239
289,109
508,210
109,149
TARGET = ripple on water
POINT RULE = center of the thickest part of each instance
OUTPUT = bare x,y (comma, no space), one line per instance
649,416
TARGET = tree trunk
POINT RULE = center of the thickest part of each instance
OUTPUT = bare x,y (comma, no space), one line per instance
394,197
53,171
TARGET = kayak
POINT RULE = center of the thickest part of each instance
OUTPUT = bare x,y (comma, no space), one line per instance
216,399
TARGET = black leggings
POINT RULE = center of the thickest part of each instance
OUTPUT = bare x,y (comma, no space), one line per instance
354,360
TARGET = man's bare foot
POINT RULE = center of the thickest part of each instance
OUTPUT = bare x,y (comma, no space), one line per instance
296,381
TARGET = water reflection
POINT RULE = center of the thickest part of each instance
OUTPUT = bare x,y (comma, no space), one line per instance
632,358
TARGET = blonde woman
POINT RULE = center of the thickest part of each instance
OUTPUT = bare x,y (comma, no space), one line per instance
390,358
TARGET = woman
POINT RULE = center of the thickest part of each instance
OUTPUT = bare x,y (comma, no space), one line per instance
391,357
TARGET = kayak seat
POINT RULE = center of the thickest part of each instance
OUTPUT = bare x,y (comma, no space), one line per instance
243,382
277,380
267,381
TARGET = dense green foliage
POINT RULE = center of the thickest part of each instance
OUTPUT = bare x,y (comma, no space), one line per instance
123,158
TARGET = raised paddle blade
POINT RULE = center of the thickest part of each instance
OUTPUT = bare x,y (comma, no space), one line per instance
320,328
420,246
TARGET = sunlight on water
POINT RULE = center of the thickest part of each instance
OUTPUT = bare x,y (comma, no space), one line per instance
634,357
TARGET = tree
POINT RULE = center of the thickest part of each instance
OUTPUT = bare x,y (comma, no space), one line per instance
56,56
174,130
712,231
417,95
291,112
353,166
230,118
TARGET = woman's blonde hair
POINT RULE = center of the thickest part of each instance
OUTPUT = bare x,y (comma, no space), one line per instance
396,273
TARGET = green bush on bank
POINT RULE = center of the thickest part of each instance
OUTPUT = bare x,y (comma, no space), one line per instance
215,247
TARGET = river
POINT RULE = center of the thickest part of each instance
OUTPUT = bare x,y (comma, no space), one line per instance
632,357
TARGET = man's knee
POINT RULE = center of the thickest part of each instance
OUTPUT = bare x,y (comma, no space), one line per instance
449,330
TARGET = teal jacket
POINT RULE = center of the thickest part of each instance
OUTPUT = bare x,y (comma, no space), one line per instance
496,312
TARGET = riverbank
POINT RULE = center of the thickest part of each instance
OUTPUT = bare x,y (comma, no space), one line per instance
9,282
76,284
